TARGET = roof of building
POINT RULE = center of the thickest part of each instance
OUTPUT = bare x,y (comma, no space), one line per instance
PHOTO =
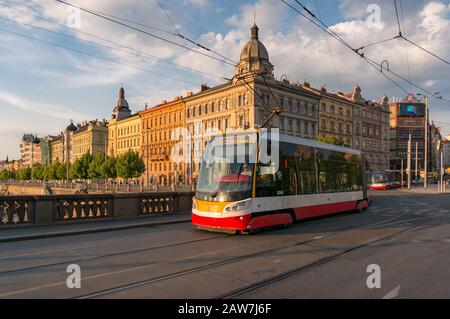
122,102
254,49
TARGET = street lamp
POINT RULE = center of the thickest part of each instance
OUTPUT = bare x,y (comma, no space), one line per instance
35,141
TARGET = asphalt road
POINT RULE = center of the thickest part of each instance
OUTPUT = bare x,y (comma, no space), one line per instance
407,236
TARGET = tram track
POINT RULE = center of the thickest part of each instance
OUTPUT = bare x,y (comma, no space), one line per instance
232,260
298,270
71,261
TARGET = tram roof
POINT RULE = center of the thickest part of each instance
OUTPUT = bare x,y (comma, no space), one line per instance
313,143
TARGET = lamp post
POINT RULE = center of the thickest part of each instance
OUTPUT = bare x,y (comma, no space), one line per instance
35,141
425,156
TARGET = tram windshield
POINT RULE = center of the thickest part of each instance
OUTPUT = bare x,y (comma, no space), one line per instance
226,172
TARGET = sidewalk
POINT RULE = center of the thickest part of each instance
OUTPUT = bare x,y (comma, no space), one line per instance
59,230
432,189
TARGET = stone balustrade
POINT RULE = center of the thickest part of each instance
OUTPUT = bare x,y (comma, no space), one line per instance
51,209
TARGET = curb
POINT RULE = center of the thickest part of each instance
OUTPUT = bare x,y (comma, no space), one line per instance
94,230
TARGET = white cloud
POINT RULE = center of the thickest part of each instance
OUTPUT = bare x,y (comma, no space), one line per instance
43,109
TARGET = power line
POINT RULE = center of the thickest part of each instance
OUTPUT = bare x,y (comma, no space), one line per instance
144,32
136,52
425,50
330,51
95,56
374,64
406,45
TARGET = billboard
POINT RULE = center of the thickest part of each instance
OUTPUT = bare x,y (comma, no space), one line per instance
412,109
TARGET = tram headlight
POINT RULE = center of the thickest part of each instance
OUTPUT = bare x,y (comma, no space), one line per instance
239,206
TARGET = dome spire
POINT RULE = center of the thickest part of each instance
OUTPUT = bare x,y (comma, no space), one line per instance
255,31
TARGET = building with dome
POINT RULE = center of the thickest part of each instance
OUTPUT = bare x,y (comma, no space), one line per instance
248,100
124,129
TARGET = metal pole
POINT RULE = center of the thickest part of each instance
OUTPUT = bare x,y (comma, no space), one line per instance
425,182
417,162
401,173
408,164
146,152
442,172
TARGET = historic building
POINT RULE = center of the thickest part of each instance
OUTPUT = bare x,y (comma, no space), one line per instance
335,115
248,100
90,137
30,150
124,129
57,149
161,131
46,150
408,117
371,129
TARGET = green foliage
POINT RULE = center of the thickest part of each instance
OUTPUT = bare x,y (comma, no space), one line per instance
108,169
5,175
130,165
38,171
95,166
23,174
60,170
80,169
330,140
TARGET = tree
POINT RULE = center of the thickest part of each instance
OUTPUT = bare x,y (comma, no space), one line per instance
95,167
60,170
130,165
330,140
108,168
23,174
4,175
49,172
38,171
80,169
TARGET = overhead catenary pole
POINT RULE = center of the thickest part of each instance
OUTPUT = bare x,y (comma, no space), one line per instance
425,181
401,172
442,172
417,162
408,164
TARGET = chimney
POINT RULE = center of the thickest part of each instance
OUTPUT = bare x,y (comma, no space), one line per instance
306,84
203,87
189,93
323,89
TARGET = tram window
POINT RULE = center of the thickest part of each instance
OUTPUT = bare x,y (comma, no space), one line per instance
307,177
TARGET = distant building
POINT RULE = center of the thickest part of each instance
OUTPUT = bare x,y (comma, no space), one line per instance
57,149
46,150
124,129
159,125
90,137
30,150
408,117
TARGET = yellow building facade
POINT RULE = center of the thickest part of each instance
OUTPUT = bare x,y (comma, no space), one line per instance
161,133
57,149
90,137
124,129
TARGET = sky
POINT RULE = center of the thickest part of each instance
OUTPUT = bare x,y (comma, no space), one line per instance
43,86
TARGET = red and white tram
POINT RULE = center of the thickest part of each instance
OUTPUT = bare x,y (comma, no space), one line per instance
383,180
238,190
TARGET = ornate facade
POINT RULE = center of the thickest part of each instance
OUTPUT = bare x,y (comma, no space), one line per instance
248,100
124,129
30,150
90,137
160,133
